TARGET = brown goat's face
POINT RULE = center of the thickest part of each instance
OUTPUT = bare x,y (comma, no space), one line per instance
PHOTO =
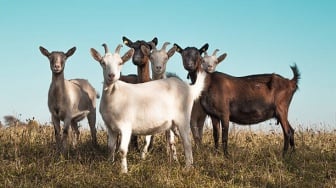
191,57
141,50
57,59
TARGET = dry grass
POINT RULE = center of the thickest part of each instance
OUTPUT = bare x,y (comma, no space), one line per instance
28,159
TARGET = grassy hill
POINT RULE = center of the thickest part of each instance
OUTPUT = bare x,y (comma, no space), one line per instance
28,159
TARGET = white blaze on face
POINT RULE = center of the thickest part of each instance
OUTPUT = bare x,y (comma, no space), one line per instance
56,64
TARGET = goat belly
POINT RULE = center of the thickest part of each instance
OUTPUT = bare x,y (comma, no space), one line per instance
251,113
151,128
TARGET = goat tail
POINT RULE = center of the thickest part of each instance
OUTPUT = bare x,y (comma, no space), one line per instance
197,88
297,74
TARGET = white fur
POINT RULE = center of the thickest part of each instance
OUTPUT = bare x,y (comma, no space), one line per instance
132,108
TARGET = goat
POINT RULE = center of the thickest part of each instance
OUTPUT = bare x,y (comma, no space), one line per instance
159,59
69,101
192,60
129,108
141,60
210,62
130,78
249,100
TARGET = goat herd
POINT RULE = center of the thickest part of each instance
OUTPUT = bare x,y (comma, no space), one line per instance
133,105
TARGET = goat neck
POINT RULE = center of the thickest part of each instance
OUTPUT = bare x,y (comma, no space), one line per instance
57,86
143,73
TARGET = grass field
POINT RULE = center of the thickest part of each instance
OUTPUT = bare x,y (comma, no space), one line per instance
28,159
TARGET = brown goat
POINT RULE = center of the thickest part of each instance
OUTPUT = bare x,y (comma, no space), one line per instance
192,61
250,100
141,60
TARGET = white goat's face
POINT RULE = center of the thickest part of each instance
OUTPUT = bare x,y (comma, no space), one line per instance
57,59
158,59
111,63
209,63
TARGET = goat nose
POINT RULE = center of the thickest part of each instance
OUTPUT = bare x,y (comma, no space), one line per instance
158,68
57,66
111,75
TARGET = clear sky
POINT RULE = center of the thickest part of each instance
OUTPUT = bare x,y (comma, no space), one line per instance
261,36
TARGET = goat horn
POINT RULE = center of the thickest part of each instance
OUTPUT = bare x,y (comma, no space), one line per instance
152,45
165,45
106,48
117,50
214,53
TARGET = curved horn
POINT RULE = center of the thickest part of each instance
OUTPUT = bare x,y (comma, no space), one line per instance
117,50
152,45
214,53
165,45
106,48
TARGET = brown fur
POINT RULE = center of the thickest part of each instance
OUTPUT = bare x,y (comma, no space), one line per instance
192,59
249,100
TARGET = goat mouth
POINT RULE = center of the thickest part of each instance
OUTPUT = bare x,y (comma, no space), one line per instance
109,81
189,68
158,71
210,70
57,71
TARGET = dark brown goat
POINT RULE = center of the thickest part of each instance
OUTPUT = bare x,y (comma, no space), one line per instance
141,56
192,59
141,60
250,100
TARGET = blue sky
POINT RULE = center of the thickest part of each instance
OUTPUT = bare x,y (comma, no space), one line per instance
261,36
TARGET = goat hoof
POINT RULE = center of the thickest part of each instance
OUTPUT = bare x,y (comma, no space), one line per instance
143,155
227,155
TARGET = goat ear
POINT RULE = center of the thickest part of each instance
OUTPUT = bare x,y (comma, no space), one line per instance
221,58
127,55
204,48
127,41
155,41
172,51
44,51
178,48
145,50
70,52
96,55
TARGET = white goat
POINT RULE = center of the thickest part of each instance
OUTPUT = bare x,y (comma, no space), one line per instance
131,109
159,59
69,100
210,63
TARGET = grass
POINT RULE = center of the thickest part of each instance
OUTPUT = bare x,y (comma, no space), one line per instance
28,159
